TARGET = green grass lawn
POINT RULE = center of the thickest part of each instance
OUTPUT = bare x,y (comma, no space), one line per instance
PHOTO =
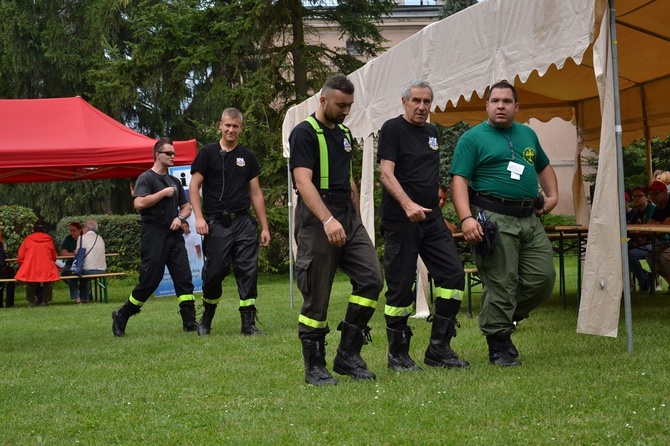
64,379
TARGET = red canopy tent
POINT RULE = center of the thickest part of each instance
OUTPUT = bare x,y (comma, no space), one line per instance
67,139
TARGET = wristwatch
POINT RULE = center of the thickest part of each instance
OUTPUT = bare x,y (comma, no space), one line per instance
180,217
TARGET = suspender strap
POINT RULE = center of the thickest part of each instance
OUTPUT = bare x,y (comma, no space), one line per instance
323,152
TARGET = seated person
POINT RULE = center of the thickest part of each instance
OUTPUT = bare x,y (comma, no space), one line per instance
94,262
67,248
639,248
442,193
658,193
37,264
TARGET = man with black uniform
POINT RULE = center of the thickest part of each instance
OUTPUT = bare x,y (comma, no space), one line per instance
329,234
412,225
495,172
161,201
228,173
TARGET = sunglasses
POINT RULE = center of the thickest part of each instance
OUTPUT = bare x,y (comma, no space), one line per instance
167,153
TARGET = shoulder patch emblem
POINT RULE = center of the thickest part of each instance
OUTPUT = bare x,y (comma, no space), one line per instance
432,142
240,162
529,155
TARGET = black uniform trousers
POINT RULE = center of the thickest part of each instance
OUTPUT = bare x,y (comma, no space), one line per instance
404,241
317,261
161,247
236,244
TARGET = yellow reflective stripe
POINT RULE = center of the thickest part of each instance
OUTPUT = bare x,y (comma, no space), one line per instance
135,301
323,153
186,297
247,303
362,301
398,311
211,301
445,293
311,322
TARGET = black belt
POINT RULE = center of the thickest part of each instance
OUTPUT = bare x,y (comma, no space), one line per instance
340,197
231,215
514,208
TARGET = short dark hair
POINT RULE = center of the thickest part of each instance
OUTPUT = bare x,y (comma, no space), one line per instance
503,84
162,142
76,224
338,82
40,226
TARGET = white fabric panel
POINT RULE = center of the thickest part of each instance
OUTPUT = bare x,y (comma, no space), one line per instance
602,285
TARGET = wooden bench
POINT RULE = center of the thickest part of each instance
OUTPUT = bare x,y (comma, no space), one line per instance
100,288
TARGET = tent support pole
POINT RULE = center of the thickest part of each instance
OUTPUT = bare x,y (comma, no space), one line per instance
290,230
647,133
622,207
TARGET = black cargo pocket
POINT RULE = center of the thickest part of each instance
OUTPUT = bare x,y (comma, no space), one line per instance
392,263
302,274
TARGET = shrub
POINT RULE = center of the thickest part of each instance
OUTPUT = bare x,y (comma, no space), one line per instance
17,223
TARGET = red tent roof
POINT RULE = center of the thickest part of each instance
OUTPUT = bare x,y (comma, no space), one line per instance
68,139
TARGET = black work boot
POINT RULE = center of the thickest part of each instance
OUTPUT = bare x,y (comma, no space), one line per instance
511,348
120,317
205,324
314,355
398,355
348,360
249,317
187,312
439,352
499,350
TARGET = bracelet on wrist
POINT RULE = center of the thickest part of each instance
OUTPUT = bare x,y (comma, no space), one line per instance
328,221
469,216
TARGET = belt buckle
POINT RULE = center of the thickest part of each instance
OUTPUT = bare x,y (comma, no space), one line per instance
530,201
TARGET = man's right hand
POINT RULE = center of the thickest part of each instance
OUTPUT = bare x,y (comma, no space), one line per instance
169,191
335,233
472,231
201,226
415,212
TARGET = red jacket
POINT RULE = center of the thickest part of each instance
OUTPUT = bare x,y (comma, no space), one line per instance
37,257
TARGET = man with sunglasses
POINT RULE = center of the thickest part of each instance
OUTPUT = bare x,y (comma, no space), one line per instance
162,203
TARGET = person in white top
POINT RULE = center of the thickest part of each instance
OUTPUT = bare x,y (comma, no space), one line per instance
94,262
192,241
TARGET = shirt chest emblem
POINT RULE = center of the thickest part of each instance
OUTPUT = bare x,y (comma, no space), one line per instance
432,142
240,162
347,145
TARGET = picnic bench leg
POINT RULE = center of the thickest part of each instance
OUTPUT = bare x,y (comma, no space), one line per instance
469,285
561,271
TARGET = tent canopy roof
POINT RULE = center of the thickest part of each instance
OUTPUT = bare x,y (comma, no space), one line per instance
68,139
544,47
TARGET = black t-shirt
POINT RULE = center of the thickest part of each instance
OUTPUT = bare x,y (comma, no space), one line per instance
304,146
661,214
414,150
166,210
241,166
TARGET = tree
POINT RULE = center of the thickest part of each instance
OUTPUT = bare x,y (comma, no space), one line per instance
451,7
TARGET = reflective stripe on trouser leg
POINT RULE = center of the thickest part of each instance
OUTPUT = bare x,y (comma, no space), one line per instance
312,323
445,293
186,297
135,301
247,303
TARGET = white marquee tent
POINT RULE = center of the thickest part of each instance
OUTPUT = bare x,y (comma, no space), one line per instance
559,56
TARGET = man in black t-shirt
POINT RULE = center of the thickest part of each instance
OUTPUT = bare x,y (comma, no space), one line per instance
330,234
161,201
228,173
412,225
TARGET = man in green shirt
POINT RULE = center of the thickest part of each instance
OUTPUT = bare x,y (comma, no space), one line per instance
495,173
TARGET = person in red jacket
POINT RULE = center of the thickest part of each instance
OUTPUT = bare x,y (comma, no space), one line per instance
37,264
